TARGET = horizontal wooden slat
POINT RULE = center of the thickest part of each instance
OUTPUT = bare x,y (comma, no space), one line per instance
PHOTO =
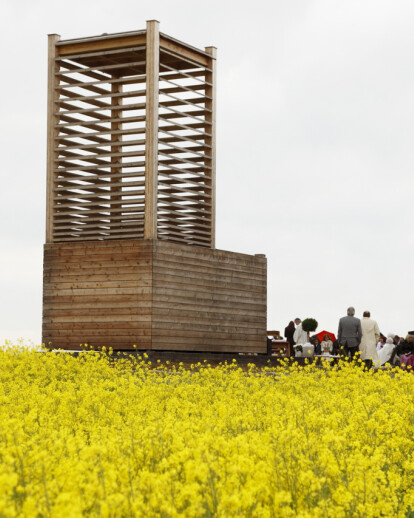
171,188
90,99
97,236
63,223
190,284
89,176
114,256
191,101
91,71
73,121
94,112
72,195
194,150
98,232
194,174
100,53
115,213
98,206
70,166
166,211
196,183
98,277
179,160
180,74
95,136
93,86
115,41
217,256
177,114
73,183
68,144
99,227
97,157
182,52
208,265
194,127
194,139
136,244
73,96
180,89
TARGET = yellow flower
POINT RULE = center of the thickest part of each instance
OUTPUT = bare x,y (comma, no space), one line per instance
98,435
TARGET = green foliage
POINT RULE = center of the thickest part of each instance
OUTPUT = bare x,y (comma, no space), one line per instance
309,325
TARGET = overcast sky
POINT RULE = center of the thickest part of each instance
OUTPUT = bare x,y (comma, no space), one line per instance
315,154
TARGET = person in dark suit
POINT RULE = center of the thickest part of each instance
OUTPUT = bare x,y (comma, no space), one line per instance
350,332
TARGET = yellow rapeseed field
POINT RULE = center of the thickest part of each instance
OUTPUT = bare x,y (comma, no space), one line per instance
90,436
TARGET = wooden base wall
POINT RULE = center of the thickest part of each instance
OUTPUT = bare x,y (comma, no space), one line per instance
154,295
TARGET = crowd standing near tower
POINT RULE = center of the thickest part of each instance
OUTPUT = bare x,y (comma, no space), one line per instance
356,338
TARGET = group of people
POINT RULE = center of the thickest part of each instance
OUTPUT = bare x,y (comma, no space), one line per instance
357,335
296,336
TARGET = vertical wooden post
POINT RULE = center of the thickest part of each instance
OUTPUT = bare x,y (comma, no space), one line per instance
151,132
51,133
210,141
116,147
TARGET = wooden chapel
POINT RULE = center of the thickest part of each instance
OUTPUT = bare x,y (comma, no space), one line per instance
130,258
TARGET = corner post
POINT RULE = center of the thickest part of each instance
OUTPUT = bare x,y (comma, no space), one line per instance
151,130
51,134
210,139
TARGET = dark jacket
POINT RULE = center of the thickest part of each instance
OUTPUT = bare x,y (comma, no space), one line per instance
289,332
349,331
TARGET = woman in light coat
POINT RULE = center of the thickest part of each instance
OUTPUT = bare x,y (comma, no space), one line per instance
369,340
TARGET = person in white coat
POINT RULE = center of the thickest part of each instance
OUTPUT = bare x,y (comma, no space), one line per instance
300,336
384,355
369,340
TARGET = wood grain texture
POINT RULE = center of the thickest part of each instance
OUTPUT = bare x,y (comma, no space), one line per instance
85,45
210,141
98,292
53,39
106,183
155,295
151,134
208,300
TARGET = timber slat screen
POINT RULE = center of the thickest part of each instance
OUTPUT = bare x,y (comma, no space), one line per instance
131,139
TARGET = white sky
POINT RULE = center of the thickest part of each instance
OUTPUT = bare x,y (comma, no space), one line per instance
315,156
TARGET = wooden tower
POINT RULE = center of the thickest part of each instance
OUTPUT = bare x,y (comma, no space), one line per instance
130,256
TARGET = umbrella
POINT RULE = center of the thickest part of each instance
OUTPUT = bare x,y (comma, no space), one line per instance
322,334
